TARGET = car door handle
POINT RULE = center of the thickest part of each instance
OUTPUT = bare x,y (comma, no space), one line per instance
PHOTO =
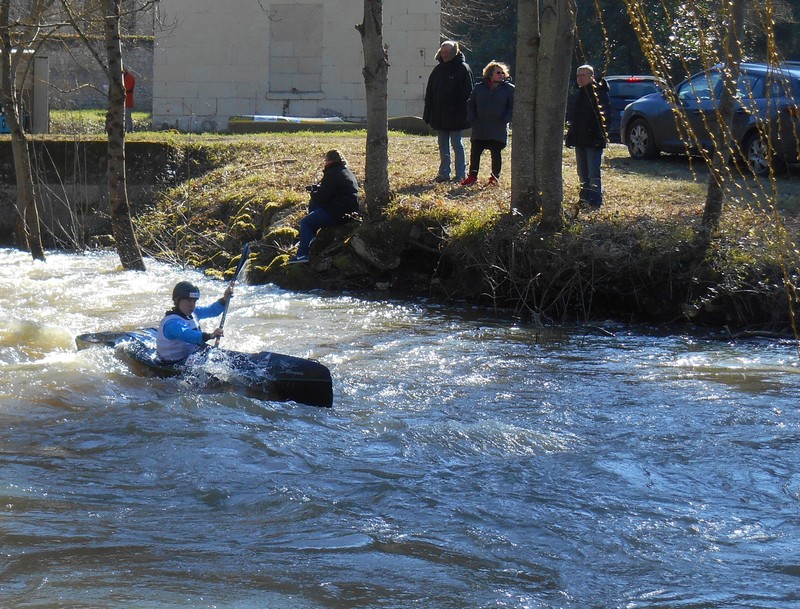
710,117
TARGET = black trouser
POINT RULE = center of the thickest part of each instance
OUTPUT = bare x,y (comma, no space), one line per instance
476,150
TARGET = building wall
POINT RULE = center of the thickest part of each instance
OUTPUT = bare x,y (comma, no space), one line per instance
76,80
304,58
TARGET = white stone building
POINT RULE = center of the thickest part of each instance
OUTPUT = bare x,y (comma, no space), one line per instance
302,58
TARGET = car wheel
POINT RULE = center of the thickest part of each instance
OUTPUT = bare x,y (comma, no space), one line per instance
755,154
641,144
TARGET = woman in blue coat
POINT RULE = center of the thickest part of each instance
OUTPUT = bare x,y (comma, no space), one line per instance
489,110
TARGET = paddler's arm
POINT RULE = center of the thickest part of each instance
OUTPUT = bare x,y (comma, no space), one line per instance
175,330
216,308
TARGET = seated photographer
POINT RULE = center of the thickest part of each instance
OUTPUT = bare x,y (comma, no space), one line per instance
332,200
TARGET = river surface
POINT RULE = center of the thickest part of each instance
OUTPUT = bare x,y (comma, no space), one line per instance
468,462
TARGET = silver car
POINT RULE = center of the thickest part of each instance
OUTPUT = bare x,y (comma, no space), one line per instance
766,122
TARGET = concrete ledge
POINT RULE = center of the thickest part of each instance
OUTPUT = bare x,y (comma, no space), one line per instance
279,124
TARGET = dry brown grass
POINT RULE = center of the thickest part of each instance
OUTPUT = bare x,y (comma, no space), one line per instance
636,254
671,187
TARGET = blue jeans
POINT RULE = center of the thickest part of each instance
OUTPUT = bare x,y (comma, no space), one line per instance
589,159
447,139
309,226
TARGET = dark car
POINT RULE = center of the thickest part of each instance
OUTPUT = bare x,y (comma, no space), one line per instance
623,90
766,109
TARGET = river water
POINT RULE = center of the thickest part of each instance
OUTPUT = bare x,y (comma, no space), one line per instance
468,461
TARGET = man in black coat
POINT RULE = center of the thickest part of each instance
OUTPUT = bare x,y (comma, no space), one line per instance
332,200
591,111
446,95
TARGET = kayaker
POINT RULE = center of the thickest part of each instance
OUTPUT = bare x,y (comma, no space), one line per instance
179,333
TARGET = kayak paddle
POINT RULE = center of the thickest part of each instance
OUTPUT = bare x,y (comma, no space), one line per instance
242,261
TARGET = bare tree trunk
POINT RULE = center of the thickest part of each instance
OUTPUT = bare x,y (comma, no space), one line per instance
723,141
28,229
524,193
545,38
555,60
127,247
376,80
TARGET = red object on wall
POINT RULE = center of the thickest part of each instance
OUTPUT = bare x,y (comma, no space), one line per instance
129,82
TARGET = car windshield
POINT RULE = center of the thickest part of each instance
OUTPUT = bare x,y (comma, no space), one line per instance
700,87
750,86
632,88
708,86
780,85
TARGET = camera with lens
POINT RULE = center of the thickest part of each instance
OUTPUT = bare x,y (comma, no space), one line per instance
312,188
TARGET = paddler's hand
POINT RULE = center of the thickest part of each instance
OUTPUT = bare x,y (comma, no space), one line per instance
228,293
207,336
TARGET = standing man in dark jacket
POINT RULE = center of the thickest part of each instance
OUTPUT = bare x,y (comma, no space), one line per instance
591,111
332,200
449,86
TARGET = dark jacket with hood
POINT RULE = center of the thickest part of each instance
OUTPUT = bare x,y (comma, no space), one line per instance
490,110
591,111
337,192
449,86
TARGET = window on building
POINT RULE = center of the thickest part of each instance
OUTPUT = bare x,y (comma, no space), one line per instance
295,48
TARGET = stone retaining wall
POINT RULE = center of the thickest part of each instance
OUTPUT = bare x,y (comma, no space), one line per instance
71,186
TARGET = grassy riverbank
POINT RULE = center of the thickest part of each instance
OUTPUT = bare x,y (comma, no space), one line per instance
636,259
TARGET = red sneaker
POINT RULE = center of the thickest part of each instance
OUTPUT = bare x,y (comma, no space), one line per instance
493,181
470,179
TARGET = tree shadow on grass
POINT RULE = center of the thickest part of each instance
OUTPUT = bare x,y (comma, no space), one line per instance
671,165
420,189
782,189
666,165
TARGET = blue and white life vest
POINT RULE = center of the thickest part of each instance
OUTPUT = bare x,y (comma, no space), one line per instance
173,350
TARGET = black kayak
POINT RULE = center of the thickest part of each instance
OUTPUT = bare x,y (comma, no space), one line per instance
266,375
